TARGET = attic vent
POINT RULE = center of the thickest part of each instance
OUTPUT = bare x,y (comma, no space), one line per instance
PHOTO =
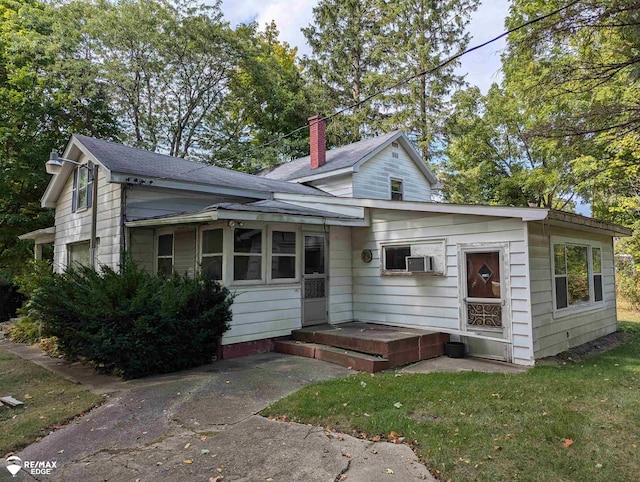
394,155
395,144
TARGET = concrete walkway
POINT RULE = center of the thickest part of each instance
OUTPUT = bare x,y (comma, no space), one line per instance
201,424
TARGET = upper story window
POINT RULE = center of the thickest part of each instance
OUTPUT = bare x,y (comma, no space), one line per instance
396,189
165,255
247,254
82,187
212,249
577,275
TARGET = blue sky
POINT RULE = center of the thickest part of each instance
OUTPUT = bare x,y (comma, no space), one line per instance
481,67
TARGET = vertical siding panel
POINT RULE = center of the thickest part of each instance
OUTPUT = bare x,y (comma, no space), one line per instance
340,275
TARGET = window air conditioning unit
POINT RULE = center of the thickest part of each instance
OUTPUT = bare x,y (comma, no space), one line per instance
419,264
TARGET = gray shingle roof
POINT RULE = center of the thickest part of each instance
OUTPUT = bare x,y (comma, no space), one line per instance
338,158
130,160
280,207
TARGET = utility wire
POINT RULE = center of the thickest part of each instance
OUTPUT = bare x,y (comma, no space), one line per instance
400,83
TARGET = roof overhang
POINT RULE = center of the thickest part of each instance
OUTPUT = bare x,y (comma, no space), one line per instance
240,214
398,137
74,151
525,214
40,236
583,223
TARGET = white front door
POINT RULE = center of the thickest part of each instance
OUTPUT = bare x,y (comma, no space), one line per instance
314,280
485,310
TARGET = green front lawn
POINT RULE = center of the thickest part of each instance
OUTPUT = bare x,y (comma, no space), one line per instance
49,401
578,421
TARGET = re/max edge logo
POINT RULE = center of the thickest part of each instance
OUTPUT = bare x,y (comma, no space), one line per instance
34,467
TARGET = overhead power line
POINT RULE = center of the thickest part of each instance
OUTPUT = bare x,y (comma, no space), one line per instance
401,82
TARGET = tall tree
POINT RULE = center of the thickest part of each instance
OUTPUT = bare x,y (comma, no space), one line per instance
267,99
168,65
345,39
48,89
586,59
418,36
490,158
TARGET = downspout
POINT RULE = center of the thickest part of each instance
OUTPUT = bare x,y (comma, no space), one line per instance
94,216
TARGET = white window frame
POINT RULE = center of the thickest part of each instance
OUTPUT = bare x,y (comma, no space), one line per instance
202,255
592,305
82,174
391,191
156,251
77,244
298,254
233,254
440,252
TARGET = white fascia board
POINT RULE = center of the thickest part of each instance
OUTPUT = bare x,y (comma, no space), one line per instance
201,217
74,150
324,175
289,218
124,178
526,214
318,202
40,236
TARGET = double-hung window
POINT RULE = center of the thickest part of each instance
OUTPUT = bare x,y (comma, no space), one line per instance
78,254
212,249
397,190
247,254
283,255
577,275
165,254
82,187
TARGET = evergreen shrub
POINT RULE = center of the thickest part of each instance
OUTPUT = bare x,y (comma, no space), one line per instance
133,323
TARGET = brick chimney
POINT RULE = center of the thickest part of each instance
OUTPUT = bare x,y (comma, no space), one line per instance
317,138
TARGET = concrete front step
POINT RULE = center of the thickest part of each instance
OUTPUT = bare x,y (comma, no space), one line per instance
339,356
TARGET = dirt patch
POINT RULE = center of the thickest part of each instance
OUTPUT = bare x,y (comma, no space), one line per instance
587,350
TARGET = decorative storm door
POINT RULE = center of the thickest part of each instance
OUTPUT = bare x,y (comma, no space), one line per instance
484,304
314,281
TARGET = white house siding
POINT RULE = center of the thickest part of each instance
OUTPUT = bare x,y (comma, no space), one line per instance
76,227
141,245
433,302
373,179
264,312
554,334
340,275
340,186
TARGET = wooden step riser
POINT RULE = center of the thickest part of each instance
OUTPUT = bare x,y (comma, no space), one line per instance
418,343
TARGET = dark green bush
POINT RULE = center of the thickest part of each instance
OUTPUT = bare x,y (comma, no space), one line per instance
10,299
29,328
133,323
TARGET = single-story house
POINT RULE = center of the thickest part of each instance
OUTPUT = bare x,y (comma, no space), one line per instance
348,234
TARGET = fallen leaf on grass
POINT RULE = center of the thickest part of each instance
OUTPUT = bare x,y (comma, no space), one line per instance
397,405
27,396
598,466
375,438
567,442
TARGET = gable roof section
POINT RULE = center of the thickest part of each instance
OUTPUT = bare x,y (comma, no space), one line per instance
124,163
347,159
